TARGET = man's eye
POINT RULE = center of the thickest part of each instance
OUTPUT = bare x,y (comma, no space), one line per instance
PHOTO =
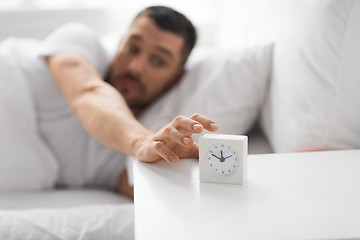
156,61
133,49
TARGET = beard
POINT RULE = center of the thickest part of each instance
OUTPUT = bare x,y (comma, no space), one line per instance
132,89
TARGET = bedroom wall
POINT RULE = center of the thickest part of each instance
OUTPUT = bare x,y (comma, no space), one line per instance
224,23
38,23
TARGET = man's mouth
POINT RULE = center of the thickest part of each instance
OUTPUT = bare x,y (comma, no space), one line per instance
129,85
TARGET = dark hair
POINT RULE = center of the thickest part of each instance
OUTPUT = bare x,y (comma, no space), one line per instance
170,20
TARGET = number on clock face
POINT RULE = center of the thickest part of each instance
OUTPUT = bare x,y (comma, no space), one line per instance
222,159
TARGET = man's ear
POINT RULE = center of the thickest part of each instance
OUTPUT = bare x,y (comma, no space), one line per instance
177,77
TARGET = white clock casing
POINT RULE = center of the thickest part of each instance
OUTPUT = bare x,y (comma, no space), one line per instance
223,158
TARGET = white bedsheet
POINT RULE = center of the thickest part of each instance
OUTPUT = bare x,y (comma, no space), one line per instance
59,198
27,164
105,222
25,160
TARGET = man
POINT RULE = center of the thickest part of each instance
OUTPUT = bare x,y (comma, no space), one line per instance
149,60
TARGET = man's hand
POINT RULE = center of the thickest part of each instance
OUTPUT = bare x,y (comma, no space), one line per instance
174,140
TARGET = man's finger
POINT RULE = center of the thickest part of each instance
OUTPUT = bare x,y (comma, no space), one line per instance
207,123
163,151
194,124
187,124
192,152
173,134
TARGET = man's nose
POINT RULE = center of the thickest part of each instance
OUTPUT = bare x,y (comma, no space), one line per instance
137,64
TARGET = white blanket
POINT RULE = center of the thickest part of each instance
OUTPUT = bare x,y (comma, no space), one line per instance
105,222
25,160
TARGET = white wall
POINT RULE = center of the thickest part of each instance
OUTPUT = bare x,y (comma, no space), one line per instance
35,21
224,23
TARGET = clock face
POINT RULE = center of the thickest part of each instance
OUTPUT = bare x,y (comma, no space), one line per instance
222,159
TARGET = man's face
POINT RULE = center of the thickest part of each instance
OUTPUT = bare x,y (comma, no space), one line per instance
147,61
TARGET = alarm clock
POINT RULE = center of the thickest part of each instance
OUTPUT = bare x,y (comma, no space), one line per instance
223,158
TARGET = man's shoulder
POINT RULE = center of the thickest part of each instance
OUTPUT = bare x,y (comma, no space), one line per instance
79,39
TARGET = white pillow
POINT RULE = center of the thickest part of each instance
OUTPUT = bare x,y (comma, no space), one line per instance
314,100
228,87
25,161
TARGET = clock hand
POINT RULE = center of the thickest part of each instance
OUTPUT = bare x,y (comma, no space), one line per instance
228,156
222,159
216,156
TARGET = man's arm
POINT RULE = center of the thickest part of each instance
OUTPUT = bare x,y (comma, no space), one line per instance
105,115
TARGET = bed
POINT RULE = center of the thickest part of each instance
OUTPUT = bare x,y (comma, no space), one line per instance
295,88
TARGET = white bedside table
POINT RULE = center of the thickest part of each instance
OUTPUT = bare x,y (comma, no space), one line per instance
287,196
